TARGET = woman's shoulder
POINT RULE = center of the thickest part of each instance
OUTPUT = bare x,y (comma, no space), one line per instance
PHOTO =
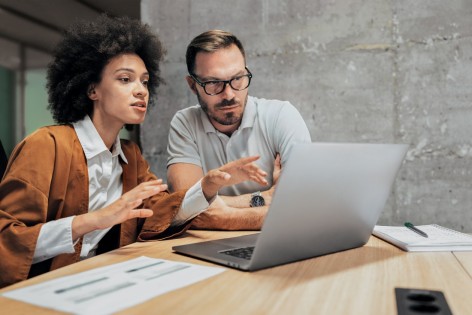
54,132
38,152
46,138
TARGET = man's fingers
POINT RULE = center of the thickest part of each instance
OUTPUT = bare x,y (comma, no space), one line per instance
277,161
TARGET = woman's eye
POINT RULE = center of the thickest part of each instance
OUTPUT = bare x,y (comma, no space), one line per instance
145,82
124,80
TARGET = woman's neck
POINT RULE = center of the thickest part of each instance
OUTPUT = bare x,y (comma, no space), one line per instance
107,132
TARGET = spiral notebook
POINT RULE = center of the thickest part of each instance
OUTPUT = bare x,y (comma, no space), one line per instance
439,238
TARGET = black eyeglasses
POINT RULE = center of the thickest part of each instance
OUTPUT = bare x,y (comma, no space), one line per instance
215,87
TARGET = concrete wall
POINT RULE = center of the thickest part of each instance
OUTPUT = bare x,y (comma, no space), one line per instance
359,71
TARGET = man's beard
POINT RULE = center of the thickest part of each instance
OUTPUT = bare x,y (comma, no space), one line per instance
229,118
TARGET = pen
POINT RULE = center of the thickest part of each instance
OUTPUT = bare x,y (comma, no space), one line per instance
415,229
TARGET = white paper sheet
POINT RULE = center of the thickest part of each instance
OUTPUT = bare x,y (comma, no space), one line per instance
115,287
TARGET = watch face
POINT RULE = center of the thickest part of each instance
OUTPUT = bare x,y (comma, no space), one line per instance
257,201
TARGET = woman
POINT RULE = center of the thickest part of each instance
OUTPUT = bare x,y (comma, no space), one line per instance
75,190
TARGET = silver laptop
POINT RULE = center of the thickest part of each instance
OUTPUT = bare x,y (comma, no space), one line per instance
328,199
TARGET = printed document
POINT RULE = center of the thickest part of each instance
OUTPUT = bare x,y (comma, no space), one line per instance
115,287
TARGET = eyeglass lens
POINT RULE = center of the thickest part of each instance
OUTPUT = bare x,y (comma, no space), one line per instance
238,84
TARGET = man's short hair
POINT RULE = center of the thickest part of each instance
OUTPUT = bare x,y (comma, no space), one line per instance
210,41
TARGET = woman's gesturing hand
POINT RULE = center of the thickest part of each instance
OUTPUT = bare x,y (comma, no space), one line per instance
232,173
125,208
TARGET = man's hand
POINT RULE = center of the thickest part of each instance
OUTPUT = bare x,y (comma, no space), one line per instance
232,173
275,178
123,209
220,216
277,170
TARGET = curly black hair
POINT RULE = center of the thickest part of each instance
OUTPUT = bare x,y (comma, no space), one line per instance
85,50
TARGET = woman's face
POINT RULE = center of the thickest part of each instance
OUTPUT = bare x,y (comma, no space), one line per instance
122,96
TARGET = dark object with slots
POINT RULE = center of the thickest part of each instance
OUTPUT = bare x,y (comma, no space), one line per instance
417,301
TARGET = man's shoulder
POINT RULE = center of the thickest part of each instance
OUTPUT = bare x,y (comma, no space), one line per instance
270,104
188,118
189,112
271,107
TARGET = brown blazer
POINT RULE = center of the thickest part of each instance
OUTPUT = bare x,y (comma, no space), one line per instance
47,179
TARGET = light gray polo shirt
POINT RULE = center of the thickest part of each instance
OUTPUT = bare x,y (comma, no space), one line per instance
268,127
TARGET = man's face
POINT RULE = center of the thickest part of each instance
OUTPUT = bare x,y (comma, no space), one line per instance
225,110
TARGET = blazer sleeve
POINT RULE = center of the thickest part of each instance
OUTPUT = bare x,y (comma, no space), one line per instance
165,205
23,207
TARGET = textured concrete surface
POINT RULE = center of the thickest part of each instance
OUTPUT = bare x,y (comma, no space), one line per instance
358,71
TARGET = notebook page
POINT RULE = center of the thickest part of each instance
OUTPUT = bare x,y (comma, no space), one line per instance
437,235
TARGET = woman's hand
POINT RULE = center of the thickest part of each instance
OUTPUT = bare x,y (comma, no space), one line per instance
232,173
121,210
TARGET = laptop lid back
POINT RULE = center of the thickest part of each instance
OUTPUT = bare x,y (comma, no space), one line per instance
328,199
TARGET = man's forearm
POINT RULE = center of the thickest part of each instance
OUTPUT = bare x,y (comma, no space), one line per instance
241,201
248,218
233,219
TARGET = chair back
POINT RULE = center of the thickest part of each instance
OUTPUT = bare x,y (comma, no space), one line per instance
3,160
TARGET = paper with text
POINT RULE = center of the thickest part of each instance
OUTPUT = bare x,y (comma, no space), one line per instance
439,238
113,288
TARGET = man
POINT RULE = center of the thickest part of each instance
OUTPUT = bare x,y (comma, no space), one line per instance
228,124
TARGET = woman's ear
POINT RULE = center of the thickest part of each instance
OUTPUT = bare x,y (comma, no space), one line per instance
191,83
91,92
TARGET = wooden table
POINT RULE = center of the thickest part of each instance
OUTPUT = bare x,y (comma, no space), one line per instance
357,281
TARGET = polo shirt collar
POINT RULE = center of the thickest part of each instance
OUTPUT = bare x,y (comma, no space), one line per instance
91,141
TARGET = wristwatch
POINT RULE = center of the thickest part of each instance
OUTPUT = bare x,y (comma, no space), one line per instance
257,200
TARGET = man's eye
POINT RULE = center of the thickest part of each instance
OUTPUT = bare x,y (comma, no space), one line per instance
212,83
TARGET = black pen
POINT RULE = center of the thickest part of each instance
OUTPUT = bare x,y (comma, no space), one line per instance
415,229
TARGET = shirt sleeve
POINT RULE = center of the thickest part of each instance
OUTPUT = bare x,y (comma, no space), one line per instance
55,238
182,147
290,128
193,204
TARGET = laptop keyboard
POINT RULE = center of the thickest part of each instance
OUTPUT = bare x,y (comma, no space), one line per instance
243,252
